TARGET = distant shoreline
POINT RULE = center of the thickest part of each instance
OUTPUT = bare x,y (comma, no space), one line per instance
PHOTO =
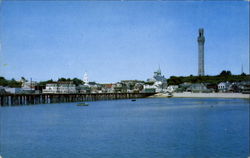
203,95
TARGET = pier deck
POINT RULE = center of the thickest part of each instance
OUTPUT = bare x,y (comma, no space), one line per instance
27,99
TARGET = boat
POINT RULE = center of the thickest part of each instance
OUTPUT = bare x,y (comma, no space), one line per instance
133,100
169,95
82,104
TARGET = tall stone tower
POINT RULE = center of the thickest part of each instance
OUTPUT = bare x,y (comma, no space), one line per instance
201,41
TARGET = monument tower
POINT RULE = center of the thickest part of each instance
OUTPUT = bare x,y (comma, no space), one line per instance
201,41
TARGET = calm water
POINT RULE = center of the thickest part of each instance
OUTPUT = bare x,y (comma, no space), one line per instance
147,128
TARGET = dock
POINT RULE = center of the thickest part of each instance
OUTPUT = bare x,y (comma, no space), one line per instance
30,99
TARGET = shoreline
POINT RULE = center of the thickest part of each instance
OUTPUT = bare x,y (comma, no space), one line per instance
203,95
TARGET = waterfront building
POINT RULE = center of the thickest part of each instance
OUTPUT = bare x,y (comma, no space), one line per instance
245,87
223,86
90,87
171,88
119,88
2,90
60,87
132,85
66,87
194,87
51,88
183,87
13,90
198,87
86,87
138,87
201,41
83,89
149,89
212,86
108,88
158,77
28,85
235,87
95,87
159,86
159,81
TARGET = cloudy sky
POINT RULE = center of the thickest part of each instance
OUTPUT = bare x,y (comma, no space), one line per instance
113,41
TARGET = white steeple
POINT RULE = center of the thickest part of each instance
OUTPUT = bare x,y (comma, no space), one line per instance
85,79
159,69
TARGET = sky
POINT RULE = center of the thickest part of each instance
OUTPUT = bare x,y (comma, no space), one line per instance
121,40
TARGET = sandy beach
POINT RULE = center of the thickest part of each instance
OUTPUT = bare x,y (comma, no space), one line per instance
204,95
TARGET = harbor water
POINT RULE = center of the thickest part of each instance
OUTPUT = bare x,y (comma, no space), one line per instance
145,128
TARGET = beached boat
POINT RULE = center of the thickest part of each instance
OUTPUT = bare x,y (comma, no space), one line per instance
169,95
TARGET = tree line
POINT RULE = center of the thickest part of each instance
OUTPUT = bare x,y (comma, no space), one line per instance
222,77
9,83
15,83
173,80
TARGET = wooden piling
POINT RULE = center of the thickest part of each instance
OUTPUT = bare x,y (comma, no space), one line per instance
29,99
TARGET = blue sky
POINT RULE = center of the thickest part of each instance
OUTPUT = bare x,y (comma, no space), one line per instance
113,41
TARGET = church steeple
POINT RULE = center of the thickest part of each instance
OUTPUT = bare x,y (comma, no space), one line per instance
85,79
159,70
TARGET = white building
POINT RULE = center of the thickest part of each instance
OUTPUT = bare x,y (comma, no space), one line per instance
60,87
223,86
108,88
160,82
13,90
28,85
149,88
83,89
158,86
158,77
171,88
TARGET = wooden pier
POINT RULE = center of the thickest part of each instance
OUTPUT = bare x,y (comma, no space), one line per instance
29,99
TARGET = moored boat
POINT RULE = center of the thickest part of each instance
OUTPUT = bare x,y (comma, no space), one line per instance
82,104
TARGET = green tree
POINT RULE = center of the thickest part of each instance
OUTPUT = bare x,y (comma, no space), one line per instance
243,74
3,81
77,81
149,83
43,83
14,83
175,80
225,73
23,78
62,79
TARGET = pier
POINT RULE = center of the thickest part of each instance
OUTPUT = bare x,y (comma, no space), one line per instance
29,99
